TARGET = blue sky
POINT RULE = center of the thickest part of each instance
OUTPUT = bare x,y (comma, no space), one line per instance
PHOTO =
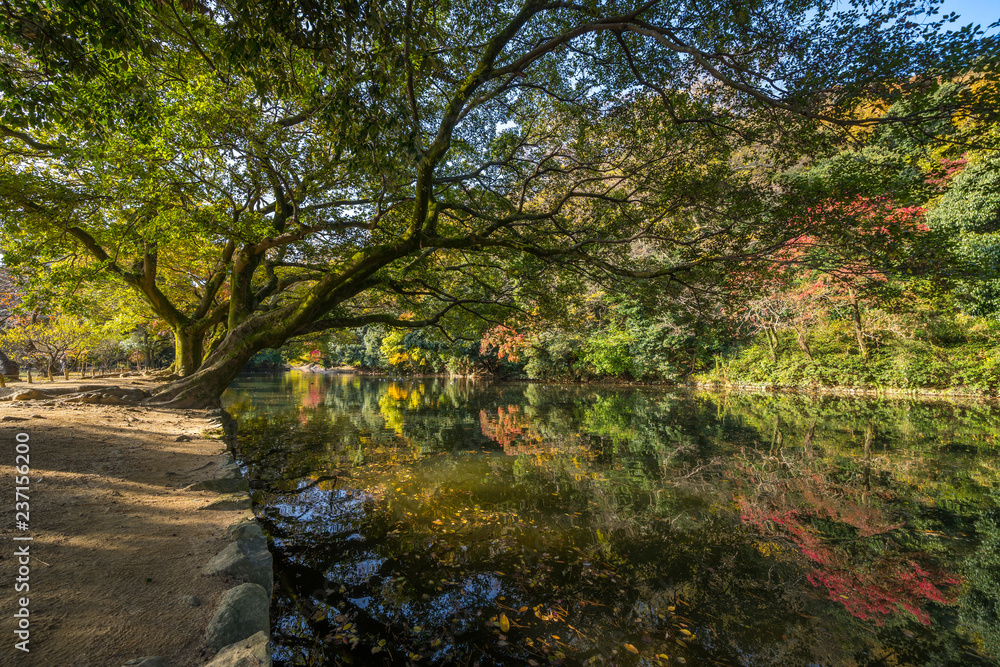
973,11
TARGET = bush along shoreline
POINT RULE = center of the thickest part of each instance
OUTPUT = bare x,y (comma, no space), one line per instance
962,358
947,355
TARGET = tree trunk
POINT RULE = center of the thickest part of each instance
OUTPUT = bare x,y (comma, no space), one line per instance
772,344
807,440
215,343
188,352
802,337
856,319
204,387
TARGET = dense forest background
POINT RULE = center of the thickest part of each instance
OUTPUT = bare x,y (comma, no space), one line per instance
773,194
895,285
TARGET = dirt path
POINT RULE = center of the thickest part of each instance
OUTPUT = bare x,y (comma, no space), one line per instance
116,542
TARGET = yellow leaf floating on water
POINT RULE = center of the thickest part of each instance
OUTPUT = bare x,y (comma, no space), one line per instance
504,623
438,522
631,648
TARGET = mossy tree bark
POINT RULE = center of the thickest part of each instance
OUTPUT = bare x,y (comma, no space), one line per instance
188,351
802,337
859,332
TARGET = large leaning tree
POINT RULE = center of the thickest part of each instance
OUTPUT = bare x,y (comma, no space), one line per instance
256,171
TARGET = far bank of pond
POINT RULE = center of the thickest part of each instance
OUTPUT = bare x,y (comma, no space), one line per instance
710,383
463,521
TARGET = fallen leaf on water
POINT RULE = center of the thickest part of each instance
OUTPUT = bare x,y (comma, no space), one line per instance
504,623
631,648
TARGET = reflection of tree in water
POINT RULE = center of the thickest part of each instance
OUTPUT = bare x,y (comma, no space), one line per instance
981,600
772,531
845,531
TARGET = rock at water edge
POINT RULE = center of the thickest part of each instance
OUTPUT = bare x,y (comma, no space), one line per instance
253,651
232,501
246,560
242,613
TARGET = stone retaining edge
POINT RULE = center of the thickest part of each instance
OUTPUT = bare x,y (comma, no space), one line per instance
242,620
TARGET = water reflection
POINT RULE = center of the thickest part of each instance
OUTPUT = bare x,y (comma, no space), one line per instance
446,521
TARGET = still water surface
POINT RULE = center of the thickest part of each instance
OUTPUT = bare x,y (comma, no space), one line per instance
442,521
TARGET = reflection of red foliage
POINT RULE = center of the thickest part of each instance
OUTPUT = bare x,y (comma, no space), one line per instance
311,397
512,431
872,595
507,428
870,589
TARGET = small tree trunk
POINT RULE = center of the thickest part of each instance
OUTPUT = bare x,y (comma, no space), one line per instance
802,337
772,344
66,371
48,371
29,375
859,333
3,383
807,440
869,440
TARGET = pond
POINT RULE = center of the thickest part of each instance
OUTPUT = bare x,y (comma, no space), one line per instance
448,521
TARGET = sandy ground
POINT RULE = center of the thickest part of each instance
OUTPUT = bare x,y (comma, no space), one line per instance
116,542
